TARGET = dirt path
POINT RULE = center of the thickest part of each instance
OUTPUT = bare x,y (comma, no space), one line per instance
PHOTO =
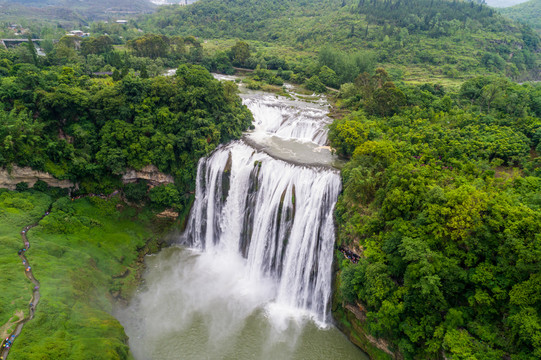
35,293
4,328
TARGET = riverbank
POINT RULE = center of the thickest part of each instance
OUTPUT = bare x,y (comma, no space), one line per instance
86,253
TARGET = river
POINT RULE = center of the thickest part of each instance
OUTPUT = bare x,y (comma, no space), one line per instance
250,278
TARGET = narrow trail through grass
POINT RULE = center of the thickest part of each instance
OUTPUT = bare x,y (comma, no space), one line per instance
7,343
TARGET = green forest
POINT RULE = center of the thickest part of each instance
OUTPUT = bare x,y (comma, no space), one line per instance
442,197
60,115
59,118
69,13
528,12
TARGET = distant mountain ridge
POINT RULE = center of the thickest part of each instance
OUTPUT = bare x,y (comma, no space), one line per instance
73,11
171,2
503,3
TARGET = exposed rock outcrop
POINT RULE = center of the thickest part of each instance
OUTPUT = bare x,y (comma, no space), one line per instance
8,179
351,319
168,214
149,173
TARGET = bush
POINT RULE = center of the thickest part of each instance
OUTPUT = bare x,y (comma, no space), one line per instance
252,85
329,77
165,196
41,185
22,186
276,80
136,192
315,84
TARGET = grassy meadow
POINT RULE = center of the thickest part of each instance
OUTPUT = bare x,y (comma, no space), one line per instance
83,253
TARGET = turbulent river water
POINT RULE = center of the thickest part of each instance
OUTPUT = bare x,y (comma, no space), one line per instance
251,275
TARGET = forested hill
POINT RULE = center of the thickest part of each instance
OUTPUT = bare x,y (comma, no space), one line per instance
528,12
454,38
91,130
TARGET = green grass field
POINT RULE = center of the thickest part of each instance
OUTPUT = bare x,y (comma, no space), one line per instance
83,252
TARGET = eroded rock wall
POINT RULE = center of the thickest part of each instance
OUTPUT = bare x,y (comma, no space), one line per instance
10,178
149,173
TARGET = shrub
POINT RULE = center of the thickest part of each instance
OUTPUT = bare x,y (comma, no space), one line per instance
22,186
315,84
41,185
136,192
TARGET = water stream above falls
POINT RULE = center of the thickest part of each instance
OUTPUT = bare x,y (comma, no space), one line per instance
251,276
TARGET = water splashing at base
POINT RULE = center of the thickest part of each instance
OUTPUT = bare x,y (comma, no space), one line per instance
199,305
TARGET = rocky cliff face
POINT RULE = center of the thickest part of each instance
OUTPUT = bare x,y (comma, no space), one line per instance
149,173
8,179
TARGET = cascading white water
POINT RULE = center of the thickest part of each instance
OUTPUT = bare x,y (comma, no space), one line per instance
287,120
277,215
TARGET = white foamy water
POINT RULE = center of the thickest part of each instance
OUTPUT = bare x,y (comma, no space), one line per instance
202,305
289,119
277,215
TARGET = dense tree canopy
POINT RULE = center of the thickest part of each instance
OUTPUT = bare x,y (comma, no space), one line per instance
441,193
441,199
527,12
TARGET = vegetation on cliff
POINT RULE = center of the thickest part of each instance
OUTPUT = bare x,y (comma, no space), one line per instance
58,115
442,200
441,196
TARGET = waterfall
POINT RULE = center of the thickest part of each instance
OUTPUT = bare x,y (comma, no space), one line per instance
278,216
253,277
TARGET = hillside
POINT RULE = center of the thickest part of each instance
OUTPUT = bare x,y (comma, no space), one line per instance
528,12
504,3
441,201
71,12
432,38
